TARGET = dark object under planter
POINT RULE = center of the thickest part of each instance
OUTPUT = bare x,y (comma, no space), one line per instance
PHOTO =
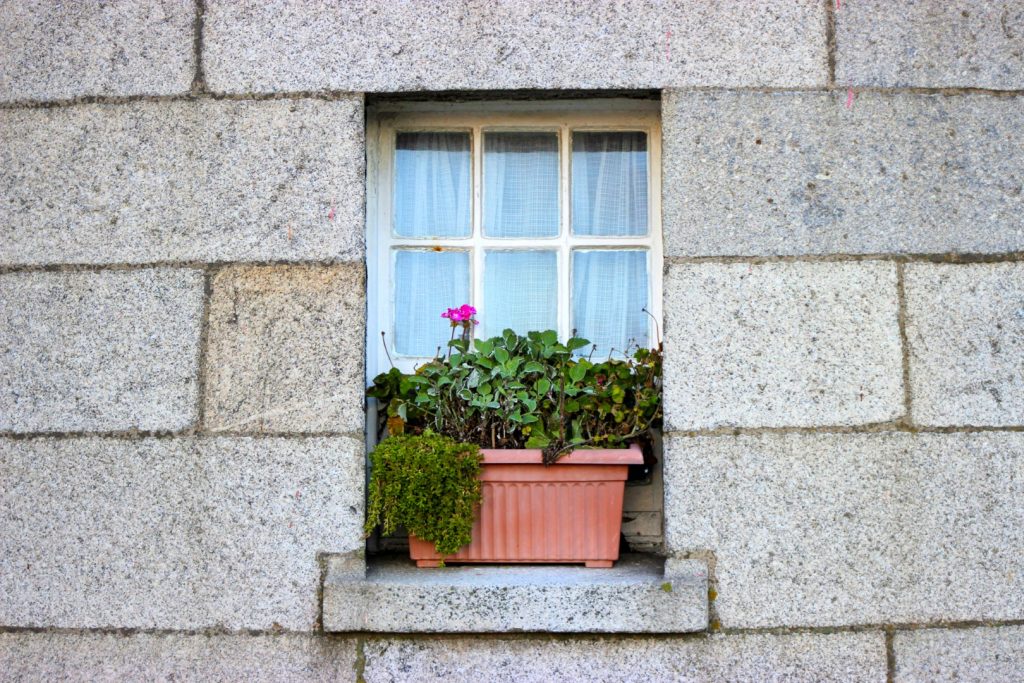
569,512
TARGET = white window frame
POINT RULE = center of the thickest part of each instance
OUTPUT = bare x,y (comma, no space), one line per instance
385,120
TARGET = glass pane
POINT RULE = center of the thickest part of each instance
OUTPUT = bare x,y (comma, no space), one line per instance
609,293
521,184
609,183
520,292
432,185
426,284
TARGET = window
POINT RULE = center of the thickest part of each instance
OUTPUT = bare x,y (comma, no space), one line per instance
541,215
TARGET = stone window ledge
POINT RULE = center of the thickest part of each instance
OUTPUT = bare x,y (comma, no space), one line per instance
641,594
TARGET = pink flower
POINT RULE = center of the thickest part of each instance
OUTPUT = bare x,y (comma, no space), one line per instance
462,314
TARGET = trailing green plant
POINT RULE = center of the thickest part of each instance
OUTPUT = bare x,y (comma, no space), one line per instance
532,391
428,484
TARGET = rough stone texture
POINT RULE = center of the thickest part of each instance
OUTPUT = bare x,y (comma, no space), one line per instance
109,350
984,655
965,330
207,180
61,50
370,46
781,344
830,529
800,173
636,596
146,657
932,44
286,349
845,657
173,533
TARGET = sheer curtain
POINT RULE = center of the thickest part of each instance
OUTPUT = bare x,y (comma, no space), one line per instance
427,283
609,183
432,184
609,293
521,184
520,291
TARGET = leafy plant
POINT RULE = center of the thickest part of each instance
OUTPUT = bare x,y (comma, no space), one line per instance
532,391
428,484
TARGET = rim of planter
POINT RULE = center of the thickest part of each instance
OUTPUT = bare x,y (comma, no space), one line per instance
632,455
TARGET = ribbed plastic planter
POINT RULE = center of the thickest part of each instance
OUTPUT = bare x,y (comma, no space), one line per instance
569,512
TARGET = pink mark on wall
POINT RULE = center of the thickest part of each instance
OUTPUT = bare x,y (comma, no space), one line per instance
330,214
849,98
668,46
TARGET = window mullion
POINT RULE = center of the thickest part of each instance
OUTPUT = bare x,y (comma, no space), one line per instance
476,293
564,262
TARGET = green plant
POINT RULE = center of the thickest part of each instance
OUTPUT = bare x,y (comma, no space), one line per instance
532,391
428,484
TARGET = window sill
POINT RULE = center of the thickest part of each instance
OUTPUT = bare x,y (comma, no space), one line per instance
641,594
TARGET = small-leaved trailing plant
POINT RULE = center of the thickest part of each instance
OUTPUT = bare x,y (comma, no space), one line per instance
510,391
428,484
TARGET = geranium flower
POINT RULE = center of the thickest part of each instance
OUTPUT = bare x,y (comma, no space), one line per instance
462,314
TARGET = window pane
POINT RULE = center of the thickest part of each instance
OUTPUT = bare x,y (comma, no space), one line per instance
432,176
426,284
520,292
609,293
521,184
609,183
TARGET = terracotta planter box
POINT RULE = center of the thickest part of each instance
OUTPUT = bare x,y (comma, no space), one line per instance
569,512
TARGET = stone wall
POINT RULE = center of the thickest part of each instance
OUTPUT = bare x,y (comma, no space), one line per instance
182,313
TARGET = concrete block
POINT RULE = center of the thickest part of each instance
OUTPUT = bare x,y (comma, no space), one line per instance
635,596
58,51
370,46
932,44
286,349
207,180
984,655
965,331
97,351
839,657
174,657
781,344
802,173
165,533
841,529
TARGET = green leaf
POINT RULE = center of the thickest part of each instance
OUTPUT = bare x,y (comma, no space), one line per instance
533,366
538,441
484,347
577,343
577,373
501,355
549,337
542,386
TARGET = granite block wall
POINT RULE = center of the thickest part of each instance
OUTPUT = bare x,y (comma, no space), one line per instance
182,314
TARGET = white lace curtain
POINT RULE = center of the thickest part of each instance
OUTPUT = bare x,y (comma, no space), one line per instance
609,183
426,283
521,201
432,185
609,293
520,185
